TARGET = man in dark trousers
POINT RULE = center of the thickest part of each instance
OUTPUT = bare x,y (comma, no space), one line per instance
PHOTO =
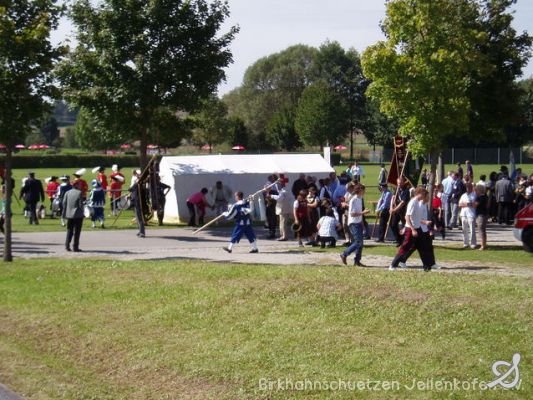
398,208
136,198
383,210
73,213
32,192
504,197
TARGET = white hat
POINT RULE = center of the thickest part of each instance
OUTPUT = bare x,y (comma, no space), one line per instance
47,180
96,169
114,168
138,171
80,172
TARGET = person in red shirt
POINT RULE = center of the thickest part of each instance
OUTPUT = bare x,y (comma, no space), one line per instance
197,201
83,186
115,188
51,188
100,177
438,215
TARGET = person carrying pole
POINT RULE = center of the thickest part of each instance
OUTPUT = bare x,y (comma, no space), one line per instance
240,212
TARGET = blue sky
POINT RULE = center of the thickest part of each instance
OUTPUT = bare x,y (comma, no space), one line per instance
268,26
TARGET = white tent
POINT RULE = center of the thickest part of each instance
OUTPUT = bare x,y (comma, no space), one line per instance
244,172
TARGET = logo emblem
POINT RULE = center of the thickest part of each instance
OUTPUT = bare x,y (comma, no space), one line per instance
503,377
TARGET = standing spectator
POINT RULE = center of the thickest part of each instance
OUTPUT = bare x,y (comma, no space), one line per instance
327,229
97,203
197,202
345,204
491,194
240,212
162,190
220,195
299,185
458,188
520,193
529,190
438,214
64,187
424,177
482,180
383,211
32,192
284,204
398,207
460,172
482,214
333,182
504,198
3,198
325,194
302,221
115,192
51,191
355,224
73,213
383,175
467,203
357,172
469,170
313,205
270,203
447,185
516,174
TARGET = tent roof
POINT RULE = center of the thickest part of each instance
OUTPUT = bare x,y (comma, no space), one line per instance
246,164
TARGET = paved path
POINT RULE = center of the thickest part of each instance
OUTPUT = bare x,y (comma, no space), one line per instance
181,243
6,394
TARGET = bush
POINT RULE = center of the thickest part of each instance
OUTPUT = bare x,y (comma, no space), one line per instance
41,160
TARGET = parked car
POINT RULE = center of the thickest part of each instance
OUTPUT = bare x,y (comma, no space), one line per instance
523,227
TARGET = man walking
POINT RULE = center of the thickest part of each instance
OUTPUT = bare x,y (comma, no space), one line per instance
382,209
397,209
32,192
240,212
504,197
73,213
355,224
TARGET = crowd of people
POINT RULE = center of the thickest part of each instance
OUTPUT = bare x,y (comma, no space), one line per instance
323,211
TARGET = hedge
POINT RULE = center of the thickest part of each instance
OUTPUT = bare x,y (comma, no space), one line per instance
73,161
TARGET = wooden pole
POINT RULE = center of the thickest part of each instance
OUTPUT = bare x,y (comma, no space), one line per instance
396,192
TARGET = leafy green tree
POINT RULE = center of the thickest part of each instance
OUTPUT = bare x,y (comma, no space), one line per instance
34,138
321,117
211,123
237,132
26,61
50,131
281,131
342,71
92,134
139,62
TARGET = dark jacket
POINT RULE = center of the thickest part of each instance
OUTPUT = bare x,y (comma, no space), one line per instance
73,204
504,190
32,191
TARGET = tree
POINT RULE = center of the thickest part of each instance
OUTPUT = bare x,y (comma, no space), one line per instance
281,131
92,134
137,63
237,132
26,61
321,117
211,122
50,131
342,71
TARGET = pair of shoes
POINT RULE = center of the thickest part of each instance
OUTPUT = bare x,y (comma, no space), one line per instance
391,268
102,226
473,247
427,269
78,250
465,246
436,266
253,251
331,246
226,249
343,259
402,265
282,240
346,244
93,225
359,264
68,248
483,248
141,235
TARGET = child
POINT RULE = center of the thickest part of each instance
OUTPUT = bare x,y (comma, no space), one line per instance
240,212
97,203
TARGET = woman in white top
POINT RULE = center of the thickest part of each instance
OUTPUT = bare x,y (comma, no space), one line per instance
467,204
327,229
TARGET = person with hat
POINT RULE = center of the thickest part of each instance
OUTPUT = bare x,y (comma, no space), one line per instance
101,177
51,191
97,203
32,192
240,212
115,192
84,187
382,210
64,187
73,213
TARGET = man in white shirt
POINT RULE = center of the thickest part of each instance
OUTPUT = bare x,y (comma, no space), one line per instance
284,203
355,224
447,185
467,204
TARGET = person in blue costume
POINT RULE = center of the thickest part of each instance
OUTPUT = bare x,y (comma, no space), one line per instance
240,213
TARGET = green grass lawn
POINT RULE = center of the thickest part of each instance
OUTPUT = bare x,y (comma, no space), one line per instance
175,330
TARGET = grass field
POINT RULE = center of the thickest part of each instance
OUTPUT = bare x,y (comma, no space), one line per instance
177,330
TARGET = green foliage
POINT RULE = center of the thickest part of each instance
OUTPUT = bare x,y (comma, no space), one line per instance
237,132
137,63
211,122
50,131
281,131
70,141
321,117
92,134
34,138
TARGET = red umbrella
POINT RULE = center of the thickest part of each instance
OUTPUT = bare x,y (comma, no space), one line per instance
125,146
20,146
152,146
34,147
340,147
44,146
206,147
238,147
2,146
